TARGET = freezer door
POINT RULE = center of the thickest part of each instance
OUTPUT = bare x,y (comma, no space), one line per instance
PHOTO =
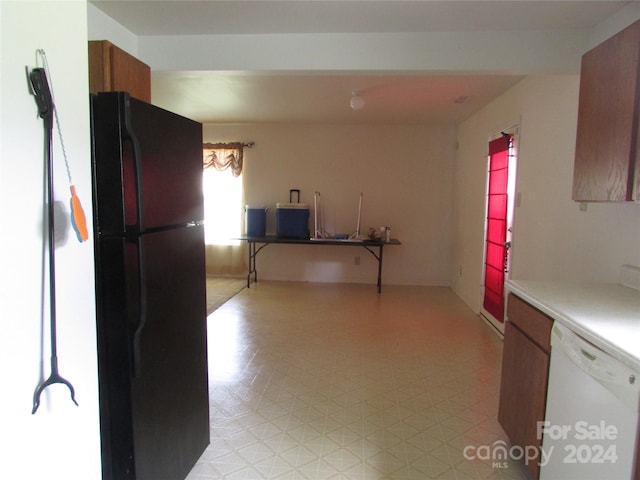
147,166
171,150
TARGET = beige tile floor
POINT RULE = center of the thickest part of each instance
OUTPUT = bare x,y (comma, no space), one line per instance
319,381
221,289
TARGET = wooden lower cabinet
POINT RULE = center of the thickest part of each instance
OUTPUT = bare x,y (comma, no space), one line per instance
525,373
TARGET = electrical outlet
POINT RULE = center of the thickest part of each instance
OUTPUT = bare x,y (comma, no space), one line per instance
356,260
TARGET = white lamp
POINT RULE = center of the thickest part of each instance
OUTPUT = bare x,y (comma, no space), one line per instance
357,102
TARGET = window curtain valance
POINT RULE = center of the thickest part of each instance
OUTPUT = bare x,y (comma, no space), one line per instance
222,156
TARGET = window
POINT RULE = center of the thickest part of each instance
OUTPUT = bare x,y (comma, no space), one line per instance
223,200
222,206
222,187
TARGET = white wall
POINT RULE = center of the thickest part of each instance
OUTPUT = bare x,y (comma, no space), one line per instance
103,27
552,238
405,173
61,441
490,52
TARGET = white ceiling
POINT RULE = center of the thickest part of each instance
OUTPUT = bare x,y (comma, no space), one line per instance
185,17
231,97
225,97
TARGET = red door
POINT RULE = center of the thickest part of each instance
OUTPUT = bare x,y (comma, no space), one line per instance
496,234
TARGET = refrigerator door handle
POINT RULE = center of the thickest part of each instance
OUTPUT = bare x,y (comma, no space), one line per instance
137,162
142,310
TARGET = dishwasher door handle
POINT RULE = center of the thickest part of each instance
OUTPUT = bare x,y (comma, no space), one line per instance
589,356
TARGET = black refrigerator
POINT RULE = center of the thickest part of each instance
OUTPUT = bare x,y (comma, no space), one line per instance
150,289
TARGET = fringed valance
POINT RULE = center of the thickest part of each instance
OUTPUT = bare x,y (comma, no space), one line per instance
224,155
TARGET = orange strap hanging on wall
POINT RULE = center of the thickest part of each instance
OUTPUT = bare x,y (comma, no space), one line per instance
78,219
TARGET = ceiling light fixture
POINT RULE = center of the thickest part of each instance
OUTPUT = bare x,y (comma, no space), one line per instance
357,102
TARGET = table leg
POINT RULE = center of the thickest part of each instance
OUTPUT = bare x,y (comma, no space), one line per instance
249,266
252,264
380,270
253,254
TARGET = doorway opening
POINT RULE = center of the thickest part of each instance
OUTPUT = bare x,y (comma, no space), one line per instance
498,231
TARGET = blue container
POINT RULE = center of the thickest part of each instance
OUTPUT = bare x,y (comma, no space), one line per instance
256,220
292,220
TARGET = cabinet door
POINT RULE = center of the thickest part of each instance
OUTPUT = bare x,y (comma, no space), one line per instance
606,158
111,69
523,390
129,74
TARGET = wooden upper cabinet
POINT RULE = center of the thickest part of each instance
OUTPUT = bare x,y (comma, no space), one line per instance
607,164
111,69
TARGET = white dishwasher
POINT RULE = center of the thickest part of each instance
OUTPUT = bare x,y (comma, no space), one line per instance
592,412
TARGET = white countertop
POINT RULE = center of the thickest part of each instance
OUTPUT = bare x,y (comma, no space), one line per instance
607,315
